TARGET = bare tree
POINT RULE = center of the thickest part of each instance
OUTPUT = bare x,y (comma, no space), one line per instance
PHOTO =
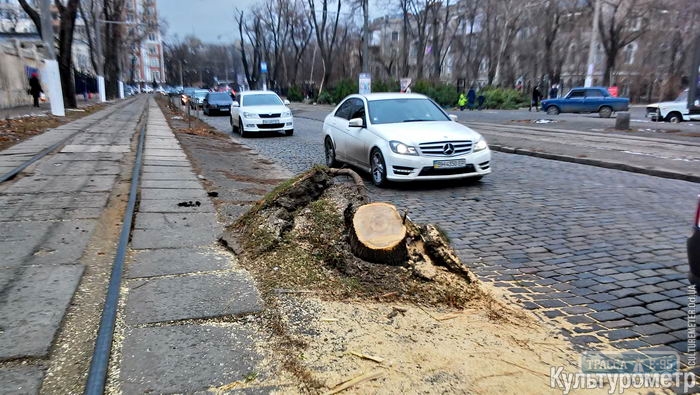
444,29
509,14
253,38
621,23
326,29
67,14
300,34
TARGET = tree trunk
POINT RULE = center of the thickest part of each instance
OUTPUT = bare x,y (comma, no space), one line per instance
377,234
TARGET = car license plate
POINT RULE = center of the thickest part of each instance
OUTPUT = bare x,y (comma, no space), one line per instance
447,164
266,121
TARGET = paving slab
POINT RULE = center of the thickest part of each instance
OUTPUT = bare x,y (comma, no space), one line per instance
169,163
189,297
50,184
171,205
146,239
170,176
32,308
152,263
185,359
145,220
95,148
172,194
21,380
172,184
56,167
43,243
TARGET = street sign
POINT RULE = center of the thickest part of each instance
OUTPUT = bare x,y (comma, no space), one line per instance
263,67
365,84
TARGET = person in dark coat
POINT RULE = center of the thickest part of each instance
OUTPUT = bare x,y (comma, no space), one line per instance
536,96
35,89
471,97
554,91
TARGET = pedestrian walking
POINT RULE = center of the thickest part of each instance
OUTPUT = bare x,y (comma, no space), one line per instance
480,101
554,91
471,98
536,96
461,102
35,88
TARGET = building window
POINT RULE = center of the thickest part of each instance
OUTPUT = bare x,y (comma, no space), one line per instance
154,63
394,36
630,49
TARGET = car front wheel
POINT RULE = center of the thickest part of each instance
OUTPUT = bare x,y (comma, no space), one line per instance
330,153
241,128
673,117
378,168
605,112
552,110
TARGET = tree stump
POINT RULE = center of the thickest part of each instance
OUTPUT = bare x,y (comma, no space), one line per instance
377,234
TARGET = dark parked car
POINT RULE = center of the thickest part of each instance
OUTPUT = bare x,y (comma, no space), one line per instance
694,250
217,102
587,100
186,95
197,98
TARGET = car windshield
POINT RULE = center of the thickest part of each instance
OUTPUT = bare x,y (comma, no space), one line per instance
683,96
404,110
200,93
261,100
220,96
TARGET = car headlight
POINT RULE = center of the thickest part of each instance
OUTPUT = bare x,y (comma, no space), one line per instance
480,145
401,148
287,114
250,115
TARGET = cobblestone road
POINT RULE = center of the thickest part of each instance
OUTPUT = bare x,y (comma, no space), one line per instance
602,249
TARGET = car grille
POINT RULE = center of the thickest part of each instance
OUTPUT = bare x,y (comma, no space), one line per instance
269,115
270,125
446,148
431,171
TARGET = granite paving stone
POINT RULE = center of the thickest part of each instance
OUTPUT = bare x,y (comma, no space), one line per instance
21,380
34,303
189,297
162,262
186,358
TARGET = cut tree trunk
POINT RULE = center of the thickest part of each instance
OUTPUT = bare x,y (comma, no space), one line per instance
377,234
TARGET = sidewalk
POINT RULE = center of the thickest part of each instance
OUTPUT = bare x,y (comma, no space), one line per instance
180,284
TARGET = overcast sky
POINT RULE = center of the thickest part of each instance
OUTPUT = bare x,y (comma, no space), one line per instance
210,20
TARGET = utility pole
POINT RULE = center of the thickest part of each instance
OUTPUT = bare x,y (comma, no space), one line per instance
592,48
50,75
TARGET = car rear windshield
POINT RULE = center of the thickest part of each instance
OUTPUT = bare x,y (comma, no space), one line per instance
261,100
220,96
200,93
404,110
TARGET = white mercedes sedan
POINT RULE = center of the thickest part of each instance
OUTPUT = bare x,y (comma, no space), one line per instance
260,111
403,137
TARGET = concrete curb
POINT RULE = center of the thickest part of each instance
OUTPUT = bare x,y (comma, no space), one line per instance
597,163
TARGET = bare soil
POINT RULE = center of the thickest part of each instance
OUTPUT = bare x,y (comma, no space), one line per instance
16,130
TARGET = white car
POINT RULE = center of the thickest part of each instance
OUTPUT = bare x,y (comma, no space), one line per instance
672,111
260,111
403,137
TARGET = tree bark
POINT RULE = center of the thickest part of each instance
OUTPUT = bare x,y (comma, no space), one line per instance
378,234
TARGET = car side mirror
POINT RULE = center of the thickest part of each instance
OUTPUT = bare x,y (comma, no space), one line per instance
286,102
453,117
235,104
356,123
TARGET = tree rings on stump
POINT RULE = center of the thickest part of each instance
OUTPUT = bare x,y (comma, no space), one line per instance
377,234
